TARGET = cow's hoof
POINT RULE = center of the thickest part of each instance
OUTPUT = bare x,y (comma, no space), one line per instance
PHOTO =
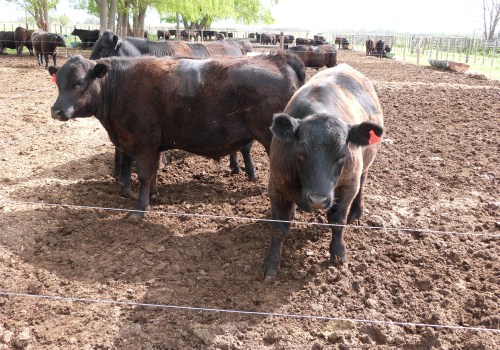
338,262
252,178
135,218
127,193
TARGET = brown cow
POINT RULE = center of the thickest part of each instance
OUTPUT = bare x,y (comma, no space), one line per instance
210,107
316,56
323,144
110,44
370,47
22,36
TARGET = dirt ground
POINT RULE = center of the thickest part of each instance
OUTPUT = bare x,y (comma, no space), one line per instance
433,187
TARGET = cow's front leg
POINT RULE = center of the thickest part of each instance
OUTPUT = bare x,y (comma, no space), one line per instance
147,167
337,215
282,210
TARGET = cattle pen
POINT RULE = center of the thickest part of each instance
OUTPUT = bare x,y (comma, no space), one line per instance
472,49
423,261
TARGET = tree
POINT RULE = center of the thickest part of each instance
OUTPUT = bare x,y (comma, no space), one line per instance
199,14
491,16
39,9
107,11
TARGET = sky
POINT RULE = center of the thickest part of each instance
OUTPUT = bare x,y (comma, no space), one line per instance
361,16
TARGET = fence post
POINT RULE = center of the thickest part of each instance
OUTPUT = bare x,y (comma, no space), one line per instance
484,50
431,44
494,52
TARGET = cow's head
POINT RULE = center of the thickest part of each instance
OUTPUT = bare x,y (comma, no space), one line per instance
60,40
79,88
318,149
107,45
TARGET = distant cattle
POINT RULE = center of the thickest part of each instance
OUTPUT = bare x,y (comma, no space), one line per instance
162,34
189,34
370,46
87,37
210,107
267,39
287,38
342,42
22,37
319,37
46,44
303,41
7,40
209,34
316,56
323,145
381,48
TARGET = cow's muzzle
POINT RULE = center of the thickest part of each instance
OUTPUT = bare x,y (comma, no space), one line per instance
60,114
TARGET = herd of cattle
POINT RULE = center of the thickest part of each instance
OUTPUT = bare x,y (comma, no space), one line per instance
211,99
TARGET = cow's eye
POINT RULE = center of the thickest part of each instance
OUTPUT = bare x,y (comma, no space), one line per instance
301,157
80,84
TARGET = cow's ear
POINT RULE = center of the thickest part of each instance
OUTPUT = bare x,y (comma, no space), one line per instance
100,70
284,126
53,70
365,134
117,42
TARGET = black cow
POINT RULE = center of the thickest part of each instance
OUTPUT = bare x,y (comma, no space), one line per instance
342,42
210,107
304,41
323,144
381,48
46,44
316,56
7,40
87,37
163,34
22,37
209,34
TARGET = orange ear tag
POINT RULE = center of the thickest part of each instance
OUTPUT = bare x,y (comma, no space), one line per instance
53,80
373,138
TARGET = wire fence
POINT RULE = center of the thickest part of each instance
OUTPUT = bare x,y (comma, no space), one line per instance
54,298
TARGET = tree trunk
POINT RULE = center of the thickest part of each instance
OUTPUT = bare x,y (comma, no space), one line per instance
103,14
111,16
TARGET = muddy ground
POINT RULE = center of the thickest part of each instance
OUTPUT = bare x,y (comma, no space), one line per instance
434,187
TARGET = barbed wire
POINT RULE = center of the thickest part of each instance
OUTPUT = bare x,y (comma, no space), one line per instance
243,312
243,218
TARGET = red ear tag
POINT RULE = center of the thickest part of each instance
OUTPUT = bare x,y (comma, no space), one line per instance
373,138
53,80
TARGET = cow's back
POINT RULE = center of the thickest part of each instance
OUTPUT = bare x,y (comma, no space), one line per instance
341,91
210,107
